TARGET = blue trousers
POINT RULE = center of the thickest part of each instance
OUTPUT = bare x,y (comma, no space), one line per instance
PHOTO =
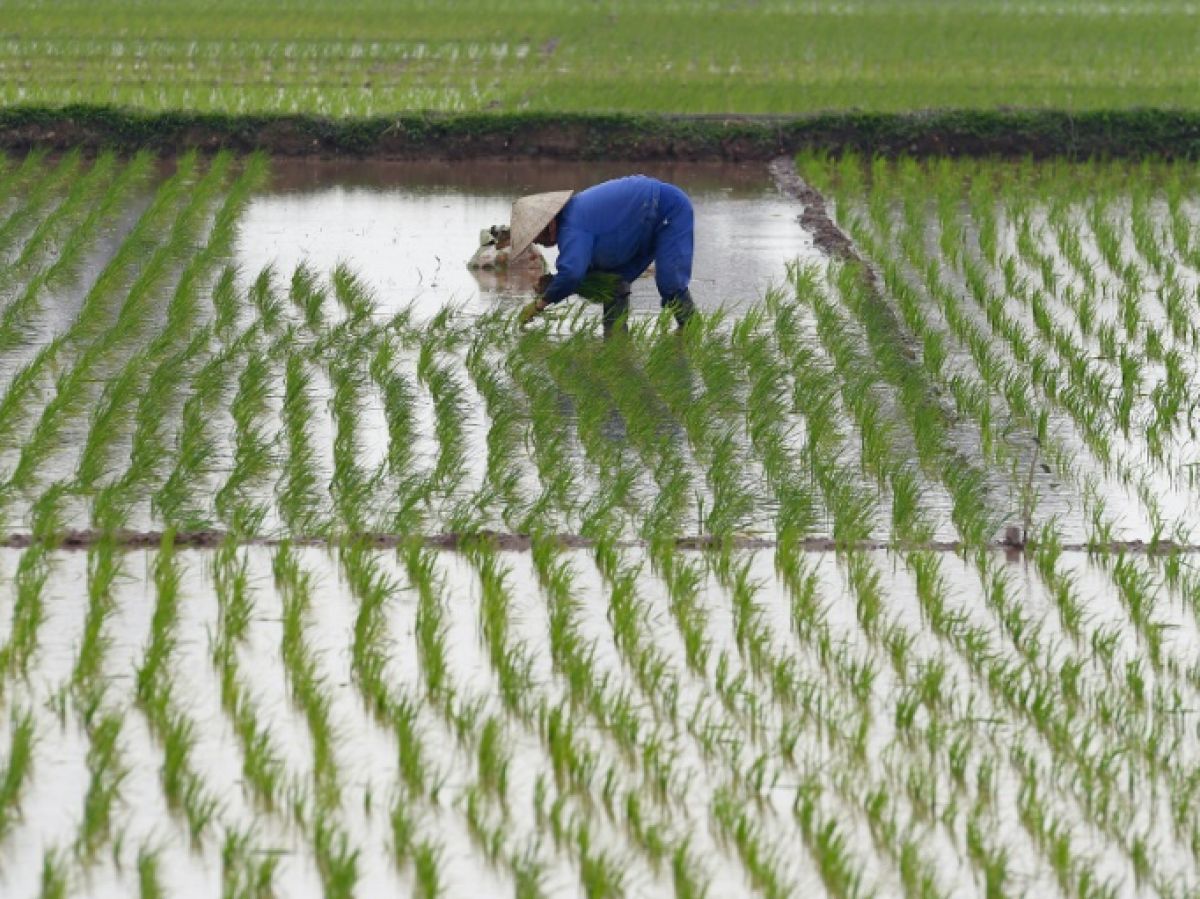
672,248
674,244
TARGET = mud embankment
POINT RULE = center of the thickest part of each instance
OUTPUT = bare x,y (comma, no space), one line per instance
210,539
1010,133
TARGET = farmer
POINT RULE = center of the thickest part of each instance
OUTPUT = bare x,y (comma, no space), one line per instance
616,228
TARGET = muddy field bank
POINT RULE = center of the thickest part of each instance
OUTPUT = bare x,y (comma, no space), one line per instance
1010,133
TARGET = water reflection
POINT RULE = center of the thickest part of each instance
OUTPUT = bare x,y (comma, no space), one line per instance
409,228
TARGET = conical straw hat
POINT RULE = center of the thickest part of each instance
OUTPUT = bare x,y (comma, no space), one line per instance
533,213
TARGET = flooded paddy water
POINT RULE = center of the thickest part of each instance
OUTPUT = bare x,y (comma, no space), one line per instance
847,591
408,228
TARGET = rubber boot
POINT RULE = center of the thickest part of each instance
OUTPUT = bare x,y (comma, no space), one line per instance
616,311
682,307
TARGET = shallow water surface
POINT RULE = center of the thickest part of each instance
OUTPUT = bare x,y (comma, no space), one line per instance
408,228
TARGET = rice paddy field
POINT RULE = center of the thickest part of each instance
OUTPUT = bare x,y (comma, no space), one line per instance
377,57
882,583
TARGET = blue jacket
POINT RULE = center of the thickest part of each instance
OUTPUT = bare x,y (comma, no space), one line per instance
613,227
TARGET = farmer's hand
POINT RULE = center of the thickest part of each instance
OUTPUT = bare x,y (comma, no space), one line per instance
530,310
543,282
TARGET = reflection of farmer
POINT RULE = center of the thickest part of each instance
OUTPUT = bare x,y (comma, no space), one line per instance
617,228
494,254
495,269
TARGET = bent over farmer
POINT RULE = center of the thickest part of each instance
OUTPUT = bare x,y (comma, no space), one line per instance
616,228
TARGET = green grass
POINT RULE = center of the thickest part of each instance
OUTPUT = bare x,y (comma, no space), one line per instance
375,57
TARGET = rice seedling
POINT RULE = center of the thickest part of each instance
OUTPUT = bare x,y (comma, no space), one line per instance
244,871
252,453
337,860
149,875
430,635
107,771
55,880
17,767
300,664
103,567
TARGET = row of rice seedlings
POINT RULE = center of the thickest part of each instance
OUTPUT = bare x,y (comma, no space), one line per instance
651,430
771,429
148,447
103,567
264,299
29,582
156,688
548,436
44,191
14,179
446,392
308,296
504,477
73,385
510,660
419,782
351,484
182,500
262,768
352,295
730,466
90,319
239,501
372,588
88,685
597,426
17,767
106,773
82,190
398,396
296,491
78,215
295,588
430,634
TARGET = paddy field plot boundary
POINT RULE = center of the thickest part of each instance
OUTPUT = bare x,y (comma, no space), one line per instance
1011,133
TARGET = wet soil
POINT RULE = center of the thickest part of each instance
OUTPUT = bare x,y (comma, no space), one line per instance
82,539
827,236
